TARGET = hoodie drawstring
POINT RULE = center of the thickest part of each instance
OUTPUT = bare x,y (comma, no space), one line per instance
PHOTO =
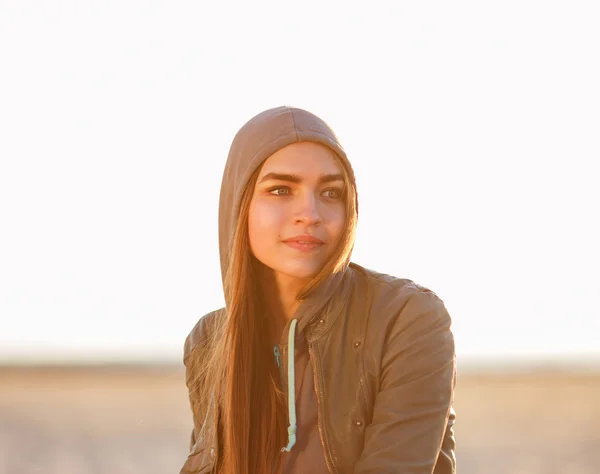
291,388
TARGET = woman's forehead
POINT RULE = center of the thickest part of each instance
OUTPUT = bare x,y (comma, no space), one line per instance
302,158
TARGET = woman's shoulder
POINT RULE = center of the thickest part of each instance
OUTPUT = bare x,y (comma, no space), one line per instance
386,284
202,333
397,296
406,316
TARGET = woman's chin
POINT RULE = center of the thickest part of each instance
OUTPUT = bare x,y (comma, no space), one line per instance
300,273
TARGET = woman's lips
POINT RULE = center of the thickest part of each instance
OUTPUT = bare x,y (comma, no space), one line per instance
303,246
304,242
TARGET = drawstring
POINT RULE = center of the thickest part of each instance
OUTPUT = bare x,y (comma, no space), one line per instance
291,389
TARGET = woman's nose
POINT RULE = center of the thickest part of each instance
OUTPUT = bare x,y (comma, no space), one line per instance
308,211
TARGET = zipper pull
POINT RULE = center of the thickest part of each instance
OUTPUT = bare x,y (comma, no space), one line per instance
277,355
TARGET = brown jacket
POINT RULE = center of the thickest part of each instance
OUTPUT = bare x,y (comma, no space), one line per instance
380,348
383,357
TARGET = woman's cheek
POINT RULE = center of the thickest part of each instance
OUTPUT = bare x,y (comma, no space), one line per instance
336,220
264,218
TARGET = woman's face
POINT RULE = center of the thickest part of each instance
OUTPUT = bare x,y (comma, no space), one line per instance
297,211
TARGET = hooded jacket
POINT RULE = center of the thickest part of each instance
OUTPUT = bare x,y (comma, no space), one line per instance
377,385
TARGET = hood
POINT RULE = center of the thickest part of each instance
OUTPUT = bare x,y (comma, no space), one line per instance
258,139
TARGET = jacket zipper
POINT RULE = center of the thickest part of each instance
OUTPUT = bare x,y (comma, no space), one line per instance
318,390
277,355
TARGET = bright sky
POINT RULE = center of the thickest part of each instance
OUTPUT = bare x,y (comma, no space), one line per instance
473,128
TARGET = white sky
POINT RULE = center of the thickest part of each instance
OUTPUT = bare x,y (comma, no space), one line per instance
473,128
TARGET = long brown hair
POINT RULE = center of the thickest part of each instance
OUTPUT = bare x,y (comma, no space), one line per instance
239,368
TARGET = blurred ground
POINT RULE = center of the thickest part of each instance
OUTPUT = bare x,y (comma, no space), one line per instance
136,420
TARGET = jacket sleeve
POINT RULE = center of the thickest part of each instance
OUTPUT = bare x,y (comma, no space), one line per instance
189,374
194,352
412,426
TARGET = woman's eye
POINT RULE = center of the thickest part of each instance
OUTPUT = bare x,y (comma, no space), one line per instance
333,193
280,191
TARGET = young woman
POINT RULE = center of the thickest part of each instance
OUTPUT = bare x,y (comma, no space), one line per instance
316,365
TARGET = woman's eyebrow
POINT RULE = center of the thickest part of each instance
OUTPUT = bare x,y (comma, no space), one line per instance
292,178
328,178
